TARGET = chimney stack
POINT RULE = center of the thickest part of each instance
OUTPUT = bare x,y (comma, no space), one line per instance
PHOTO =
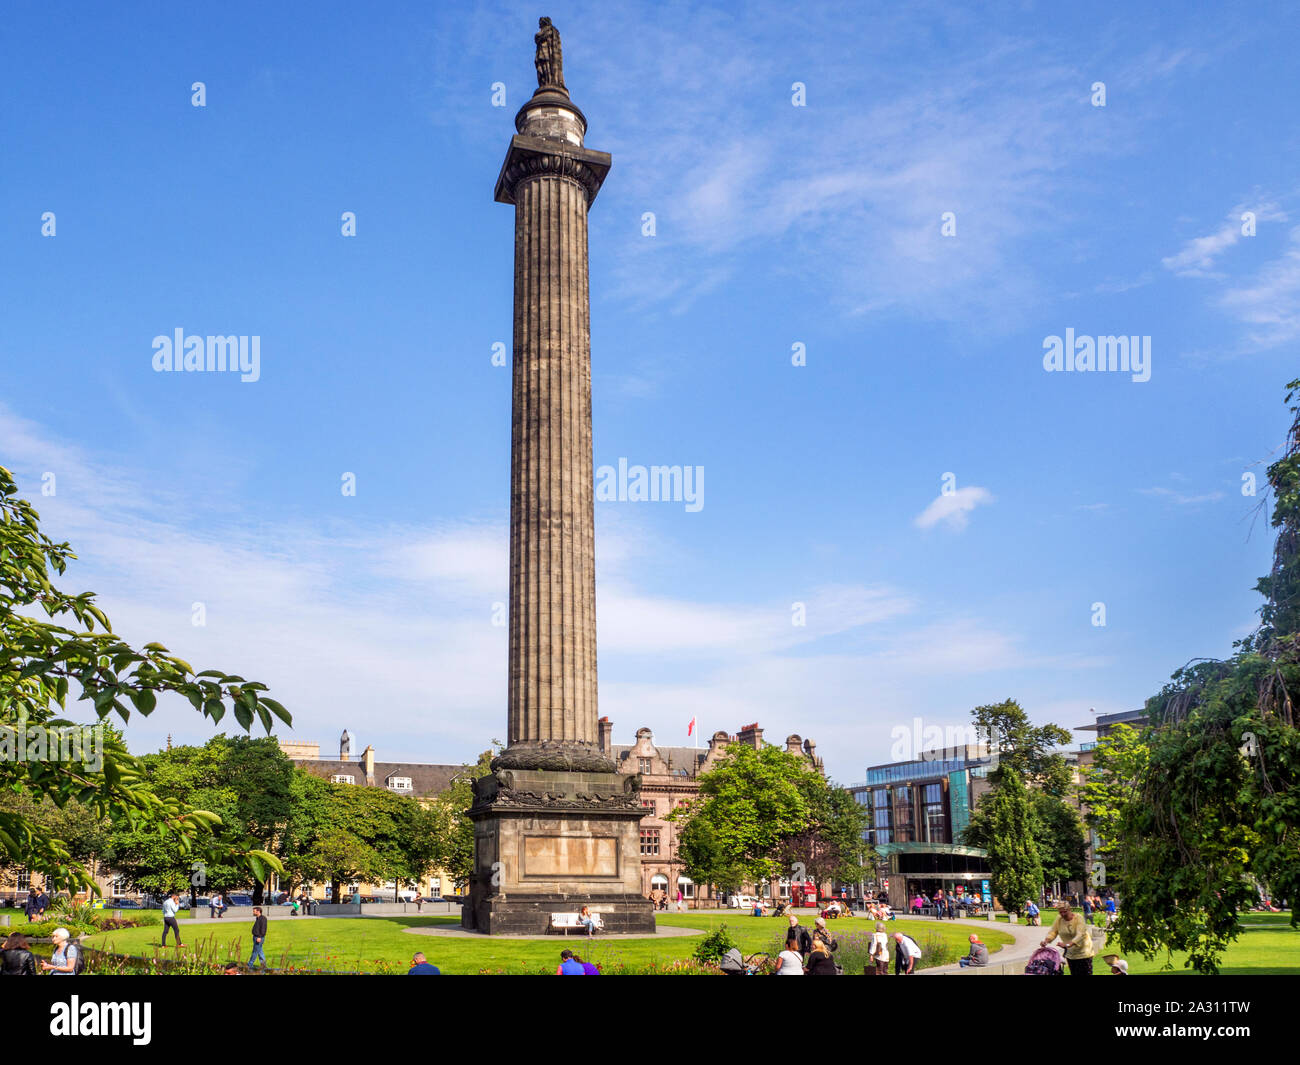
606,727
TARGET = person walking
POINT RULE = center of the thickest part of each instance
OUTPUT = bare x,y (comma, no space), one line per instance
1031,912
30,906
259,938
15,957
1071,927
789,961
906,954
171,907
880,950
938,905
66,957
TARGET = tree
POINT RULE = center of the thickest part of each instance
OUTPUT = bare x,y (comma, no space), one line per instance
1017,871
391,836
1211,808
244,782
452,830
73,650
1059,837
1027,749
1119,762
762,813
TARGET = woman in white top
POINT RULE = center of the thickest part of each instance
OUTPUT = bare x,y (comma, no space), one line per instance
880,949
791,960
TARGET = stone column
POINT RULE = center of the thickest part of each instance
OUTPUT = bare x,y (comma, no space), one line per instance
551,180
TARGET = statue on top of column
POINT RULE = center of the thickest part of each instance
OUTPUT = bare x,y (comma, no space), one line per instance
549,61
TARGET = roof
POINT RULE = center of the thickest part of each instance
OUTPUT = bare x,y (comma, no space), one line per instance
690,759
426,778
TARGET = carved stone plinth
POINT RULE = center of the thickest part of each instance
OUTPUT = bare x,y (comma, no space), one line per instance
552,842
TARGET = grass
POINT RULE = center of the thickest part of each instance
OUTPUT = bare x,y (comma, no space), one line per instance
377,944
1268,946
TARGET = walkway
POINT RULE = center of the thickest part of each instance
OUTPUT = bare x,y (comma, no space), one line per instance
1009,961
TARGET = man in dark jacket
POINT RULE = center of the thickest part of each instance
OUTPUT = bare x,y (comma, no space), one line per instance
802,935
259,937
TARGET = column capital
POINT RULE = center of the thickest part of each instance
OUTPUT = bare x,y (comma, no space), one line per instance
530,157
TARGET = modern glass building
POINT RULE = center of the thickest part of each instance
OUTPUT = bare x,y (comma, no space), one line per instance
917,812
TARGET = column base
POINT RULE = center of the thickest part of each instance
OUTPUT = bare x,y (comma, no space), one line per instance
552,842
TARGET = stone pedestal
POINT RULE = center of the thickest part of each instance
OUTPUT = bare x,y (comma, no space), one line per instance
548,841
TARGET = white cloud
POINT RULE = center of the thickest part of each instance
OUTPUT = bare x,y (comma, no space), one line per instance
953,508
1269,303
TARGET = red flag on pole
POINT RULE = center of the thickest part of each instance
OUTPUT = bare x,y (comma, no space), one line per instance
690,729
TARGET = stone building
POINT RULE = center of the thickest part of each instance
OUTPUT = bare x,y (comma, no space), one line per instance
669,779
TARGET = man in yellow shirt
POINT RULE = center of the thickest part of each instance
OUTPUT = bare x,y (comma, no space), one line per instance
1072,929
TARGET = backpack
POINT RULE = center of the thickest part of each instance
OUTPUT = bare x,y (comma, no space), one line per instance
79,961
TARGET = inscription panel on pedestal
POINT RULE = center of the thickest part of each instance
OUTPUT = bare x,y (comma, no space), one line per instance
556,857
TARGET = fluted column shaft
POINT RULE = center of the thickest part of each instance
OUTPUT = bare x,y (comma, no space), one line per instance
552,687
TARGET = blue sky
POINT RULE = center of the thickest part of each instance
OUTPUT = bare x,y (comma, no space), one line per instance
775,225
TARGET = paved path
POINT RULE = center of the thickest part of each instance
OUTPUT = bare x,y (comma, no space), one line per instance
1009,961
662,932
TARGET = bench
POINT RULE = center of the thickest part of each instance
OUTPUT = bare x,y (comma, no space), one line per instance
568,922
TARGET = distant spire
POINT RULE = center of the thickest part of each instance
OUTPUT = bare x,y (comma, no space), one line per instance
169,741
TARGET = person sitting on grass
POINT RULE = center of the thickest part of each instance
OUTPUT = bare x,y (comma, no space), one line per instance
979,953
420,966
569,965
231,968
587,968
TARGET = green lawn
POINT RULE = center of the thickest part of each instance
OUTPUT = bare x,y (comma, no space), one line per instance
1269,945
380,943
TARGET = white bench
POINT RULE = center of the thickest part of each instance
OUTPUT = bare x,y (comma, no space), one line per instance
567,922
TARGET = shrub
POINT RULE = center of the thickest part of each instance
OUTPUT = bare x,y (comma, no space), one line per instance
713,946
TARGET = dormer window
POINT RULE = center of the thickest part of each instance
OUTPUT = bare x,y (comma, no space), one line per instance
343,778
400,784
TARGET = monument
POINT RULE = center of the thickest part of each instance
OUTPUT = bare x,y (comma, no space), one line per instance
555,825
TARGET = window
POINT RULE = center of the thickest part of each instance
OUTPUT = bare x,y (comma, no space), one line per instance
645,765
936,820
686,886
648,805
399,784
649,842
881,820
903,815
118,885
658,882
24,879
435,885
343,778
